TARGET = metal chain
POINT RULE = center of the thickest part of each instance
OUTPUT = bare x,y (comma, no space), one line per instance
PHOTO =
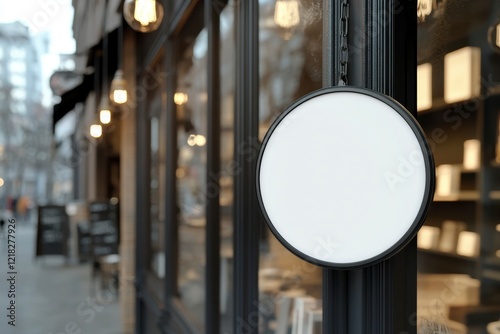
344,49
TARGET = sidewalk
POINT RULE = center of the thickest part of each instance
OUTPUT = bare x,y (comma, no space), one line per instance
52,297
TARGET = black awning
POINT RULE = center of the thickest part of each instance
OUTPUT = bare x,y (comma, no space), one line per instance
79,94
70,98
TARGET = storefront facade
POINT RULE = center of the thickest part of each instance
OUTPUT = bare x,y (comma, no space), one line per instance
216,74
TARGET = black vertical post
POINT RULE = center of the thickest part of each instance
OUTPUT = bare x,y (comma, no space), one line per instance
381,298
212,243
246,224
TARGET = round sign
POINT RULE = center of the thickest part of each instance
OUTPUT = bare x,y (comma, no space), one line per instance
345,177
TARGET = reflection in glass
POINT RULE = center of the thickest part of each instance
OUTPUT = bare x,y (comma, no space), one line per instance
191,174
290,67
458,265
157,186
226,177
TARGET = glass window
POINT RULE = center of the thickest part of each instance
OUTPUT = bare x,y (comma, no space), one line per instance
157,173
290,64
190,99
458,78
226,179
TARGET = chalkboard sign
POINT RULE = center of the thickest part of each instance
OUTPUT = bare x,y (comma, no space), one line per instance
84,240
52,231
104,228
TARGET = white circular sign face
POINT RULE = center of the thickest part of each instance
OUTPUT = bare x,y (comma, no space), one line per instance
345,177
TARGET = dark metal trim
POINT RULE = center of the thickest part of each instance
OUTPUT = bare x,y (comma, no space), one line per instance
154,55
246,219
389,301
182,317
181,16
212,239
150,302
428,162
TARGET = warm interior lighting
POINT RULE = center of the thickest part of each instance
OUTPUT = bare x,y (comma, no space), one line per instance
105,116
498,35
145,11
118,89
200,140
120,96
424,9
96,130
472,154
424,86
180,98
498,227
190,140
462,74
143,15
104,110
286,13
468,243
2,182
448,180
196,140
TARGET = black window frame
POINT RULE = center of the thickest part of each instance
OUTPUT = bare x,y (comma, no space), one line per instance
378,299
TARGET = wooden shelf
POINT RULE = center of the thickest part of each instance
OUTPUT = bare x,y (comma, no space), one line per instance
447,254
439,104
462,196
492,261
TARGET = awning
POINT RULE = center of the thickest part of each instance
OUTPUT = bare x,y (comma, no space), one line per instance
79,94
88,32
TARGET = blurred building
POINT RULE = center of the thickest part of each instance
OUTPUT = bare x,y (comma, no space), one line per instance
25,135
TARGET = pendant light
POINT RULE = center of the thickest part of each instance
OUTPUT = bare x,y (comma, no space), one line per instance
118,90
96,130
143,15
95,127
424,9
287,16
104,107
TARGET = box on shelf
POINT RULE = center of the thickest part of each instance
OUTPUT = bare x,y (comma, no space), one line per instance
472,154
428,237
449,235
462,74
447,180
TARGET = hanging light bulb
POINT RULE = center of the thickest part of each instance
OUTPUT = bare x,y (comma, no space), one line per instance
104,111
143,15
180,98
424,9
96,130
118,90
286,13
105,116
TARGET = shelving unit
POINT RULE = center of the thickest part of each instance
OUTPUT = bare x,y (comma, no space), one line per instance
477,203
